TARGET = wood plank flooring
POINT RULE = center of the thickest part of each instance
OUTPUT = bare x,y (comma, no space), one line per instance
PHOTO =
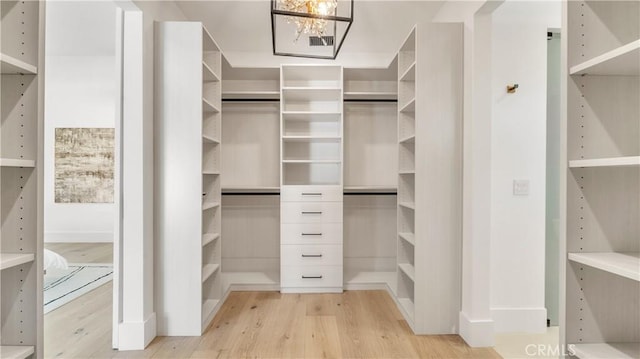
355,324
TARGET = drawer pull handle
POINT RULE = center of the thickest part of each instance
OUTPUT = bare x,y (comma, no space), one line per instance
312,234
311,212
311,276
312,193
311,255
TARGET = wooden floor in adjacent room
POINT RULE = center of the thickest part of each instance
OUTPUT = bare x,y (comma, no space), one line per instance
355,324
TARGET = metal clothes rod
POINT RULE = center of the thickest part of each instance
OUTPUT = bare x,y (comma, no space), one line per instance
250,100
370,100
278,193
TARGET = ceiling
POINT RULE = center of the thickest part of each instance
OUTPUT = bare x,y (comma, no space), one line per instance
242,29
80,28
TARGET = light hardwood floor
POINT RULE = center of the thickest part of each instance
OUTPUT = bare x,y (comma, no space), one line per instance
354,324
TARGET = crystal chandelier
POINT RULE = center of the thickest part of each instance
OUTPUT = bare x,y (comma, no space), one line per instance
306,25
324,23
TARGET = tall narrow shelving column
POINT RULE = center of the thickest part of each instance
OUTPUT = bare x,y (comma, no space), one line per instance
430,178
20,179
187,178
311,178
601,297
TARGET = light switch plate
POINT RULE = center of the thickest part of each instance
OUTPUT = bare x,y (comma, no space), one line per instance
520,187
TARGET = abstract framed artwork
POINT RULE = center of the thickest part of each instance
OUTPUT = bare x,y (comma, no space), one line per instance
84,160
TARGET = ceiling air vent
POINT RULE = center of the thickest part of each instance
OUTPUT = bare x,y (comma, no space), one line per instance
320,40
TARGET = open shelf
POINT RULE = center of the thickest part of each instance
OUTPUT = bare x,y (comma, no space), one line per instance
606,162
606,350
212,173
209,139
624,264
250,95
208,75
409,74
624,60
408,269
370,95
208,270
408,139
311,138
407,172
408,237
409,205
12,162
209,237
274,189
10,65
8,260
362,278
409,106
208,106
311,161
209,205
16,351
300,114
311,93
251,278
207,309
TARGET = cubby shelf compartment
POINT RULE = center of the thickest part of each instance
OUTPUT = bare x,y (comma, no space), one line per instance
8,260
211,173
300,114
624,60
208,107
312,161
312,93
606,350
274,189
606,162
13,162
209,139
208,270
409,74
16,351
409,106
10,65
624,264
408,237
408,269
208,74
209,205
209,237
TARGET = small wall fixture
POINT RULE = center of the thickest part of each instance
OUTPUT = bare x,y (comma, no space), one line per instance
512,88
310,28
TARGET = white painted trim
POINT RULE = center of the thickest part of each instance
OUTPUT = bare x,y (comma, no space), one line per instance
78,237
477,333
137,335
522,320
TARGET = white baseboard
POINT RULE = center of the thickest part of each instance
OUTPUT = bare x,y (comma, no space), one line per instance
137,335
478,333
523,320
78,237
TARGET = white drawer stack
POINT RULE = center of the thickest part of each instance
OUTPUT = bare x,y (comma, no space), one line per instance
311,239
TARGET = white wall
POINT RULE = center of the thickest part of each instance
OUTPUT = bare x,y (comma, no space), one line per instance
79,92
518,152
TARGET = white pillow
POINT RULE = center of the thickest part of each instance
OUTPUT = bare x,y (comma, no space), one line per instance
54,260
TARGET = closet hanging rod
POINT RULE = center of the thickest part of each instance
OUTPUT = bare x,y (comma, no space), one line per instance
278,193
370,193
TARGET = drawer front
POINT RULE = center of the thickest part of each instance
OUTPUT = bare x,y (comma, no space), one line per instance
311,254
311,212
311,194
311,233
310,276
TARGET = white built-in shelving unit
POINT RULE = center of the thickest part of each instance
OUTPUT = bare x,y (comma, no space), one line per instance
601,265
21,247
188,184
311,178
429,142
